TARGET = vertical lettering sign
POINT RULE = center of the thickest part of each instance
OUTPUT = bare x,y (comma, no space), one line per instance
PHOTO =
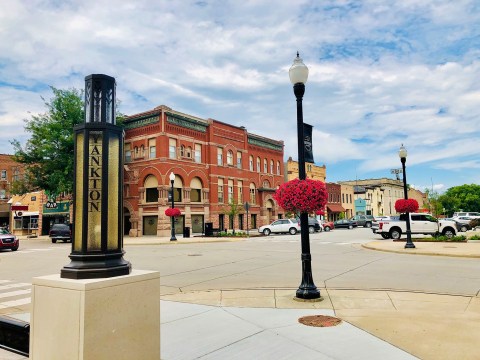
94,202
307,141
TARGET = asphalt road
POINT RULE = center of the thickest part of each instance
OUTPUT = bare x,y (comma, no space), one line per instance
338,262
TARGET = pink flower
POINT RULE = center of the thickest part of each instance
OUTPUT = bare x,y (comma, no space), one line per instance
302,195
172,212
406,205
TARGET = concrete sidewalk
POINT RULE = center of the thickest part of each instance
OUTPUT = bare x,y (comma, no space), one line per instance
257,323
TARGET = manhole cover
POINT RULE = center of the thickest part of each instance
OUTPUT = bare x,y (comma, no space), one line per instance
319,320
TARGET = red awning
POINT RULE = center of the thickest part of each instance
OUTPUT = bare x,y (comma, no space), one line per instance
20,207
335,208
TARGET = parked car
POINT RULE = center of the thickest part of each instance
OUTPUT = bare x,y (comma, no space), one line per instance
345,224
363,220
471,214
313,225
463,223
281,226
8,240
60,232
328,225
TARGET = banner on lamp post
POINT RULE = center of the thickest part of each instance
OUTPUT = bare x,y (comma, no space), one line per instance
307,142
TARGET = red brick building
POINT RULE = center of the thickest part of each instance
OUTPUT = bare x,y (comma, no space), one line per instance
334,204
214,164
10,171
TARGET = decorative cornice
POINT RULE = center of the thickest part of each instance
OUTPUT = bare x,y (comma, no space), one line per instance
264,142
186,122
140,122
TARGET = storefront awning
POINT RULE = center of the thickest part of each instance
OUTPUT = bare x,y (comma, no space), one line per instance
335,208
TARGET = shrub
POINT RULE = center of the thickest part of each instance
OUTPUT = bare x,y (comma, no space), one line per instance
474,237
456,238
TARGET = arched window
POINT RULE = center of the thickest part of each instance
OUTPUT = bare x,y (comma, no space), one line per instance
182,150
142,151
253,193
266,184
265,169
229,157
189,152
278,167
196,190
151,189
177,188
250,163
258,164
271,166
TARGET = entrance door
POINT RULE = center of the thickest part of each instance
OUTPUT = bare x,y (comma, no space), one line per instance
126,222
150,225
197,223
179,221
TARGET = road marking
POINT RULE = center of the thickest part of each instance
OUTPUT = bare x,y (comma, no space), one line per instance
16,285
15,293
15,303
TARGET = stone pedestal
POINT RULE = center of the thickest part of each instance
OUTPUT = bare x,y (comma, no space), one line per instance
95,319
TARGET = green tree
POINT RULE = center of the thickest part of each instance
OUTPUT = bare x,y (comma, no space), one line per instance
434,205
464,197
232,209
48,154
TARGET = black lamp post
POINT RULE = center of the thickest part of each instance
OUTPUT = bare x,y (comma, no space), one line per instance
97,245
402,153
172,180
298,76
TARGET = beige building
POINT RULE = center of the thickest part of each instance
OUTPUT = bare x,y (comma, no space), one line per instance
348,198
376,196
420,197
313,171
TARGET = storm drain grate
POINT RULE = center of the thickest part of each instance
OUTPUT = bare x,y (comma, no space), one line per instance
319,320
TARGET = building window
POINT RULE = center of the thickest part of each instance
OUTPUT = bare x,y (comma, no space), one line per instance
250,163
343,198
258,164
239,160
182,150
151,189
142,151
172,148
220,156
198,153
177,189
229,157
135,152
278,167
240,192
188,152
2,194
196,190
266,184
152,149
16,174
128,153
220,191
230,191
271,166
265,169
252,193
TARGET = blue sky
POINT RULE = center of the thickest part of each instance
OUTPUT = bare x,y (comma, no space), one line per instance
382,73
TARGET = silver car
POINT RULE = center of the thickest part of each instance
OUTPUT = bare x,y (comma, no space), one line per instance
280,226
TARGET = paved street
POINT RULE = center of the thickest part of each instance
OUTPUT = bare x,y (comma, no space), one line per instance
396,297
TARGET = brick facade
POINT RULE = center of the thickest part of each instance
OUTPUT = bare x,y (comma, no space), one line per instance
214,164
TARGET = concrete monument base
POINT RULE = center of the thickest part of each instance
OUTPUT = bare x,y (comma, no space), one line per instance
95,319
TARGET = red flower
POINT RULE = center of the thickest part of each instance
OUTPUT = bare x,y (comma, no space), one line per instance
302,195
408,205
172,212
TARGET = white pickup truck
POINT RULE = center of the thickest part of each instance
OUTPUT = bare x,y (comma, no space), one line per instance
419,224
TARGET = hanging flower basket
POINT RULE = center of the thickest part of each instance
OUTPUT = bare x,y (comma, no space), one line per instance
406,205
302,196
172,212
